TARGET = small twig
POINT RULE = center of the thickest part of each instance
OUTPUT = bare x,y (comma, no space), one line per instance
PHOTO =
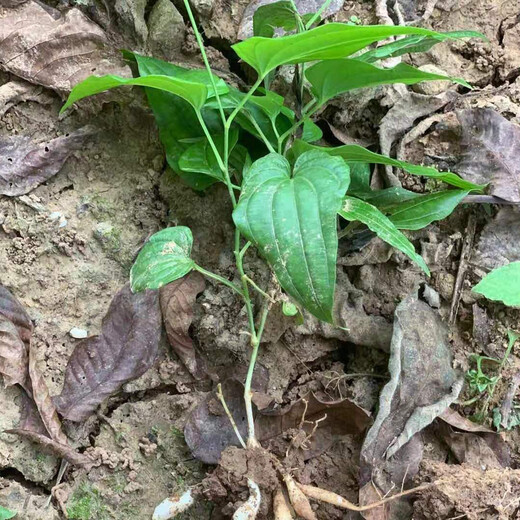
463,265
220,396
488,199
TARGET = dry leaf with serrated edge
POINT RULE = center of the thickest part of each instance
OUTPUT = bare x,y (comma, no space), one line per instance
54,448
28,164
177,300
46,47
126,348
491,147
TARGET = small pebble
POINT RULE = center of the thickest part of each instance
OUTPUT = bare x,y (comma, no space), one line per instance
78,333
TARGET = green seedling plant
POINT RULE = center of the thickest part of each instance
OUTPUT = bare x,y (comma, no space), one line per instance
286,192
482,384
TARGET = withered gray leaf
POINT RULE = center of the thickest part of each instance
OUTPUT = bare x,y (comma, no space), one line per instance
245,29
177,300
125,349
422,386
43,46
25,164
491,147
15,312
55,448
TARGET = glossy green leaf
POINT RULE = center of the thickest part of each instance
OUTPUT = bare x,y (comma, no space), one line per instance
194,93
360,174
311,132
6,514
271,16
199,157
333,77
386,198
353,153
358,210
175,117
425,209
292,220
413,44
163,259
502,284
326,42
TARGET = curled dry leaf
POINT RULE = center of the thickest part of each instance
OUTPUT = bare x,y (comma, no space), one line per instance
490,146
28,164
422,386
57,449
13,310
43,46
177,300
13,355
125,349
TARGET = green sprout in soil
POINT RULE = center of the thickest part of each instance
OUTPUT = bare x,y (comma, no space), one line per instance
287,194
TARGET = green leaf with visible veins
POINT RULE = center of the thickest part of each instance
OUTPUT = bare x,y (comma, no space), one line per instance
502,284
194,93
6,514
163,259
326,42
353,153
311,132
425,209
355,209
333,77
292,220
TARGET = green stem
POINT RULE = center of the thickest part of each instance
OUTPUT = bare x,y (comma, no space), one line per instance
318,14
244,100
200,43
305,117
218,278
253,284
261,133
211,141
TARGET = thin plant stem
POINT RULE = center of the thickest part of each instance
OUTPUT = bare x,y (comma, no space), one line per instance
200,43
218,278
318,14
305,117
253,284
261,133
211,141
220,395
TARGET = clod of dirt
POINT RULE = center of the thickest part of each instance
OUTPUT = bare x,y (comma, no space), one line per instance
490,146
422,385
463,491
125,349
28,164
63,51
177,300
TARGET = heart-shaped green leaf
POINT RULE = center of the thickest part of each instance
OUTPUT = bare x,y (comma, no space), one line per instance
292,221
333,77
326,42
355,209
163,259
502,284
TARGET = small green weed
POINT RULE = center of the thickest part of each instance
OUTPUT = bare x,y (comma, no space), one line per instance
86,504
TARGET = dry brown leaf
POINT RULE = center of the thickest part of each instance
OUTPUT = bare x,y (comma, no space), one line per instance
43,46
177,300
453,418
490,146
126,348
13,355
44,403
55,448
14,311
27,164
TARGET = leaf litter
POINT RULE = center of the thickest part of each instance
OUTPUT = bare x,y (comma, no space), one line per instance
422,386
